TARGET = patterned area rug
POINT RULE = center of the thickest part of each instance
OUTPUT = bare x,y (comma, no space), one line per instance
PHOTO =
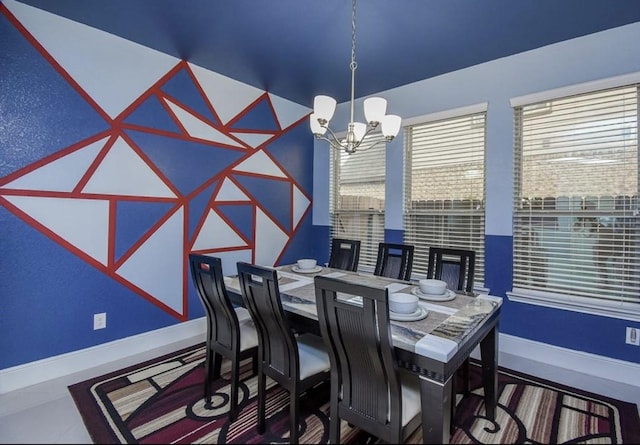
160,401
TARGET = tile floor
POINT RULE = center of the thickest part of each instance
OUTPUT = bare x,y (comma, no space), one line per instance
46,413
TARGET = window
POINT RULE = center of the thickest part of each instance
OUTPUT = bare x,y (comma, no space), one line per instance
444,187
358,197
576,231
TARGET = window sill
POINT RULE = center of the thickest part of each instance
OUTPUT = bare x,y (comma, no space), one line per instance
625,311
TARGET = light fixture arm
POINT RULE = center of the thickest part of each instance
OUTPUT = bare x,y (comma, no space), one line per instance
374,110
335,141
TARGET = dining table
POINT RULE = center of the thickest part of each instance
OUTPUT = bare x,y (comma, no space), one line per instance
432,347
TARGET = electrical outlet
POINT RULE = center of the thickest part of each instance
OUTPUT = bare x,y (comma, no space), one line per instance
99,321
633,336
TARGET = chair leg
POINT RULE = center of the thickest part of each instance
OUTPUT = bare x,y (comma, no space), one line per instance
208,376
465,377
293,406
453,405
461,374
262,383
334,420
235,376
217,365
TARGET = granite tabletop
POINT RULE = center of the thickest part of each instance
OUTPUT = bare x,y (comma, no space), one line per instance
437,335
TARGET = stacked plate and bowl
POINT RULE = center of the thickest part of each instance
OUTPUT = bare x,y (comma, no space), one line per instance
433,290
405,307
306,265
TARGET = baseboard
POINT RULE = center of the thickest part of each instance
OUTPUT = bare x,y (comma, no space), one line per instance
595,365
573,368
50,368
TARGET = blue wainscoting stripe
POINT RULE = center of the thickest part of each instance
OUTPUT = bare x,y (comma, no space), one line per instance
394,236
498,264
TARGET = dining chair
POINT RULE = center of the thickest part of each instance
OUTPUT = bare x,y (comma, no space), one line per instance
368,388
230,331
345,254
295,362
456,267
394,261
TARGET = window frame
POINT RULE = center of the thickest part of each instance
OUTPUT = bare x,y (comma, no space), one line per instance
368,248
603,307
421,256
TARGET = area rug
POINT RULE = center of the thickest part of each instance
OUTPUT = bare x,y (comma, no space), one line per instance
160,401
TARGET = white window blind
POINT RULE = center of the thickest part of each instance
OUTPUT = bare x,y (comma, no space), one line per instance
358,198
576,231
444,191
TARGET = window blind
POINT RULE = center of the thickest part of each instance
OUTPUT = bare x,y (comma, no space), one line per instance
358,197
576,224
444,188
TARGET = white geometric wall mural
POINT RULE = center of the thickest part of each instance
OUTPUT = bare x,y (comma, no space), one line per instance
172,144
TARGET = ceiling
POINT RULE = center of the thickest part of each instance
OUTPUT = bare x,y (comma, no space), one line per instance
299,48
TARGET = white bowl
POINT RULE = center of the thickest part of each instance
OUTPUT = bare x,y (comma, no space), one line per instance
306,263
432,287
403,303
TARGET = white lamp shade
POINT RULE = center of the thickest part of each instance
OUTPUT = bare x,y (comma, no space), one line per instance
391,125
316,128
359,129
375,109
324,107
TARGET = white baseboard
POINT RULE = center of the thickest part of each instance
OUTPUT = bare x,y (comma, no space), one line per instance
595,365
50,368
602,375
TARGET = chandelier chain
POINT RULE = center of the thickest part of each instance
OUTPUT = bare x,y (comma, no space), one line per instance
353,64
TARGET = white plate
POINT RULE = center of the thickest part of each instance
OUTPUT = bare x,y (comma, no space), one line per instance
419,314
447,296
314,270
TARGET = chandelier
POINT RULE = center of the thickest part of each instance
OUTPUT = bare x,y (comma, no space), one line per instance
374,112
